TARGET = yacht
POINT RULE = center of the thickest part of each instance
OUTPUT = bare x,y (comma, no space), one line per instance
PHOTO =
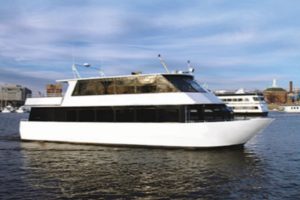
158,110
22,109
244,103
8,109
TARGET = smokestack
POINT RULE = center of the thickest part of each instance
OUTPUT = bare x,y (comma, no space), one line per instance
291,86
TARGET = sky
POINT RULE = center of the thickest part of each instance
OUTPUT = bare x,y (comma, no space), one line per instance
231,43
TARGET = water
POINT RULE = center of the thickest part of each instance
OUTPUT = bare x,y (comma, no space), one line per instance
268,167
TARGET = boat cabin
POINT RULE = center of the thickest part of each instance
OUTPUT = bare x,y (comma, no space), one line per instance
128,89
137,84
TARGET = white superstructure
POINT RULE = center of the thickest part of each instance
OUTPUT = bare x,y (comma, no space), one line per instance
245,103
167,110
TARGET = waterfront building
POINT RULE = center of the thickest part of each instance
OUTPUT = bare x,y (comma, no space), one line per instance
14,95
275,94
54,90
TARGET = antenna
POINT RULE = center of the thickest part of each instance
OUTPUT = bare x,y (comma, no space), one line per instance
163,63
100,70
86,65
101,73
74,68
73,59
190,68
75,71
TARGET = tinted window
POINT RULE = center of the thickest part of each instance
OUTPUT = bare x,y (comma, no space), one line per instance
195,114
71,115
59,114
183,113
258,98
41,114
125,115
108,85
137,84
185,83
214,112
168,115
94,87
125,85
105,115
86,115
163,85
146,115
146,84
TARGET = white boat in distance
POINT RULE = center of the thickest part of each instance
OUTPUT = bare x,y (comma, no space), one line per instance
291,109
8,109
22,109
158,110
244,103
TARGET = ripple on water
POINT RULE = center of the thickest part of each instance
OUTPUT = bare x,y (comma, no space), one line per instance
267,168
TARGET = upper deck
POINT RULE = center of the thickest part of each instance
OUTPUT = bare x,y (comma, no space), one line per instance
141,89
137,84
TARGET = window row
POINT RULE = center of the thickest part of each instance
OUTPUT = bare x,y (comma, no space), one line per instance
133,114
242,99
244,107
137,84
235,100
259,98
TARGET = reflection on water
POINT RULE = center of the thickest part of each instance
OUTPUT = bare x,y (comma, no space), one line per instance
78,171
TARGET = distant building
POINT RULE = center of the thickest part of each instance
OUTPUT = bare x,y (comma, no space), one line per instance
293,95
297,94
275,94
14,95
54,90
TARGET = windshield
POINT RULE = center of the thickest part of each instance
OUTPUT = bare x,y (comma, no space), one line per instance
185,83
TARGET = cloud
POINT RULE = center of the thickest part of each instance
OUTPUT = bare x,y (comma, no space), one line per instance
246,82
34,80
218,37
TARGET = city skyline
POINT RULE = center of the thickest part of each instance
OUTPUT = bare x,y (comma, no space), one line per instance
231,44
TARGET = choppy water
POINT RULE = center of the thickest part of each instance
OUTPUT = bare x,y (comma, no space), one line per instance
268,167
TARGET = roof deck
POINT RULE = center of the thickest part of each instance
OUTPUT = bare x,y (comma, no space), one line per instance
126,76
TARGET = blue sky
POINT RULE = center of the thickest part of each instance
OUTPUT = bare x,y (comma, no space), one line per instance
231,43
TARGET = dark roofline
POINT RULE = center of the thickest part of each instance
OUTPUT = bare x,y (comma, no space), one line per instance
275,89
126,76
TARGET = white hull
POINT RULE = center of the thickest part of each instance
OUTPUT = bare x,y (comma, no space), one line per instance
196,135
291,109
